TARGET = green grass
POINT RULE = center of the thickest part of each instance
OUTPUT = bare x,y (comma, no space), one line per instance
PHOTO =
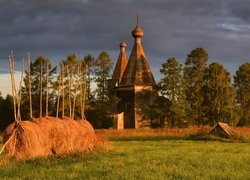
162,159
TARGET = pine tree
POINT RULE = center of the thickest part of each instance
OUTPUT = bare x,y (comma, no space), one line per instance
104,65
171,86
242,85
74,85
219,95
35,87
7,112
89,62
98,115
194,70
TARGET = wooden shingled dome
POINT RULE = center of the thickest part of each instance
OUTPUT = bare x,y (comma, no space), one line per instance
138,71
121,63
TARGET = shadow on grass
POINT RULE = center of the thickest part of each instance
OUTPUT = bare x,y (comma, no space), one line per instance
196,137
207,137
54,160
146,138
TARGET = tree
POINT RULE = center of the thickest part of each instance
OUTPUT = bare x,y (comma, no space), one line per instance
159,111
194,70
89,61
7,112
71,64
242,85
76,72
35,87
101,107
1,101
1,111
104,65
219,95
171,86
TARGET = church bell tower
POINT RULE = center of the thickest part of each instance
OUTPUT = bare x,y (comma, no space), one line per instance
135,86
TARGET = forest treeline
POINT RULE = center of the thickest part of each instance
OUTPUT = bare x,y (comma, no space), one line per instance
199,93
194,93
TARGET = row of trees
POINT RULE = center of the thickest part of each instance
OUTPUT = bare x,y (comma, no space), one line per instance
196,93
201,94
74,72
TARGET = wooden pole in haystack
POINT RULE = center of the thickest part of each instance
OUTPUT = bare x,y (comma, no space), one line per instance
81,97
76,89
20,94
79,83
29,85
69,89
41,90
47,89
13,72
62,90
70,93
59,91
14,95
84,91
12,85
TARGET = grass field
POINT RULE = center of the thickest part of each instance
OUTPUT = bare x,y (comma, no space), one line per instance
156,158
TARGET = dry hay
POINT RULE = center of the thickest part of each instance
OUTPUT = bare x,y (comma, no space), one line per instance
47,136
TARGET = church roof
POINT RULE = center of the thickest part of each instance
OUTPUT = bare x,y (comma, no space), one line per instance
137,32
121,63
138,71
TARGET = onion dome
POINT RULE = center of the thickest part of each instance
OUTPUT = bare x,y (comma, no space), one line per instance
137,32
123,44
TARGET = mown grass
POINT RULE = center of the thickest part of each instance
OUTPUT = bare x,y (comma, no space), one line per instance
162,159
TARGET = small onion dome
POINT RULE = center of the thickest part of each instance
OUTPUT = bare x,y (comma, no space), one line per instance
137,32
123,44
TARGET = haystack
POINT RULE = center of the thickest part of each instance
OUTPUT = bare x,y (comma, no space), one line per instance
223,130
47,136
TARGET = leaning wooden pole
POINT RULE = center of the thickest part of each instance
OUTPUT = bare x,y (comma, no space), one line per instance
70,93
41,88
29,85
62,91
76,90
12,86
13,72
47,89
84,91
58,92
20,94
69,89
81,97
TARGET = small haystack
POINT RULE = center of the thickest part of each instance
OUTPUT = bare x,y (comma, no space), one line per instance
223,130
47,136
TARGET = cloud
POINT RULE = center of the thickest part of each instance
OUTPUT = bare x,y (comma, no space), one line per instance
172,28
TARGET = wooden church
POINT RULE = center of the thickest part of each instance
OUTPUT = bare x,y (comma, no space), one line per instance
134,82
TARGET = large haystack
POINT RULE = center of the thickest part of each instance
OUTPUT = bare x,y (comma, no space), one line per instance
47,136
223,130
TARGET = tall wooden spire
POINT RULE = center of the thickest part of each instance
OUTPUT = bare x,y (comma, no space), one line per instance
136,86
120,64
138,71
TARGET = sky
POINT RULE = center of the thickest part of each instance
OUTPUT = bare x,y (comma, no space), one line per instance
57,28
